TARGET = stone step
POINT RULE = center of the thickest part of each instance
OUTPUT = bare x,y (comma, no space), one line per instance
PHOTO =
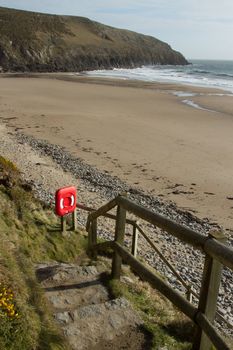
69,286
84,311
90,325
51,274
70,296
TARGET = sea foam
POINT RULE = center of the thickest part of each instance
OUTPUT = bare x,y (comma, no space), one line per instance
201,73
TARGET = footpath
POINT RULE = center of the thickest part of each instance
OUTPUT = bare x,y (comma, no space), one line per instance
89,317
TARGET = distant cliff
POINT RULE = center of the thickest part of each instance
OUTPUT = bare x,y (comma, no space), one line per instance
47,43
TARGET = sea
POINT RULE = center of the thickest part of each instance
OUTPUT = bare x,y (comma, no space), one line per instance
202,73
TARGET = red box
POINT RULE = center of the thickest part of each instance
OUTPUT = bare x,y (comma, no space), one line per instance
65,200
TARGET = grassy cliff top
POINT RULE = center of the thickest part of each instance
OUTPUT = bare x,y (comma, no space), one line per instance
35,41
28,25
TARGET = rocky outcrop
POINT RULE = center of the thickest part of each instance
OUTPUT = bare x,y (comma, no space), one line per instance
47,43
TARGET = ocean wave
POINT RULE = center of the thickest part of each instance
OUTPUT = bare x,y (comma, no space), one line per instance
212,74
191,75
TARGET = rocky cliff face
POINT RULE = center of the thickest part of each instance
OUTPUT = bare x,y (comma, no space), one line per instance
46,43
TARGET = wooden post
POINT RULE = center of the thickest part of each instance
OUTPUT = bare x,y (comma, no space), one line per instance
94,237
189,294
209,293
119,238
74,220
63,224
135,240
90,237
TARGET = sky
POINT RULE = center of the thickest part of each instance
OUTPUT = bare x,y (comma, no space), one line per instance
197,28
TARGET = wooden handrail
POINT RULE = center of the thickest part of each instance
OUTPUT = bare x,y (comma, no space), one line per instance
135,225
216,253
156,282
209,245
102,210
107,215
175,297
211,332
183,233
219,251
190,292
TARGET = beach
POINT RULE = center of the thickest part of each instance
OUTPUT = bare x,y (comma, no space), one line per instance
143,133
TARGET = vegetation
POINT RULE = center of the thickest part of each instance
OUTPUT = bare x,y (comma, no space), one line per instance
39,42
29,235
167,326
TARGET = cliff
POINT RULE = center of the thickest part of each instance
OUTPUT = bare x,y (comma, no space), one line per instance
48,43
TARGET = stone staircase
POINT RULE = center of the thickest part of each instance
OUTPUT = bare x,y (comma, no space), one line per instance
88,316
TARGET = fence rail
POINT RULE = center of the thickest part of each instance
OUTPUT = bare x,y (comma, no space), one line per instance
215,250
207,244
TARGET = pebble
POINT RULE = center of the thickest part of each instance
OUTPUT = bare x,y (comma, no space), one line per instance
63,317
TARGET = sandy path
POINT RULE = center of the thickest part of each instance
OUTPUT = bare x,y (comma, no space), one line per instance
147,137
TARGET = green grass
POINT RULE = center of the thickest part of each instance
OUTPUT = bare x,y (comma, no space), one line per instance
166,325
27,24
29,235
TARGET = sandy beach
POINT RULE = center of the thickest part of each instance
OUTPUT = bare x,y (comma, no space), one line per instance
140,132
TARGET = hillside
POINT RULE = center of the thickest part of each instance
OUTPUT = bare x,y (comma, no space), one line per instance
47,43
45,277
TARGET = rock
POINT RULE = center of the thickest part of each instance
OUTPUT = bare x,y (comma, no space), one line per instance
127,280
87,311
117,303
62,317
222,311
115,321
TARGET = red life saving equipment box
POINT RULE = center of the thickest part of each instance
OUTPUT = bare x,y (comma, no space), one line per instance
65,200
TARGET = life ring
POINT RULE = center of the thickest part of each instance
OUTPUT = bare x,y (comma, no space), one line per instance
62,203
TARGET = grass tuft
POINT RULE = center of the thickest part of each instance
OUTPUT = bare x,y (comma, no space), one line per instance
162,321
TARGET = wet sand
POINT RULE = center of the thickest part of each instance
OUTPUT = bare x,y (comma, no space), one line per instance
140,132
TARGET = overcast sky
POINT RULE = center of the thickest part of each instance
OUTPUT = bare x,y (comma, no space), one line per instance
197,28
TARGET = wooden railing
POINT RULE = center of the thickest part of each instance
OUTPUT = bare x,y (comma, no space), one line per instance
137,229
214,247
